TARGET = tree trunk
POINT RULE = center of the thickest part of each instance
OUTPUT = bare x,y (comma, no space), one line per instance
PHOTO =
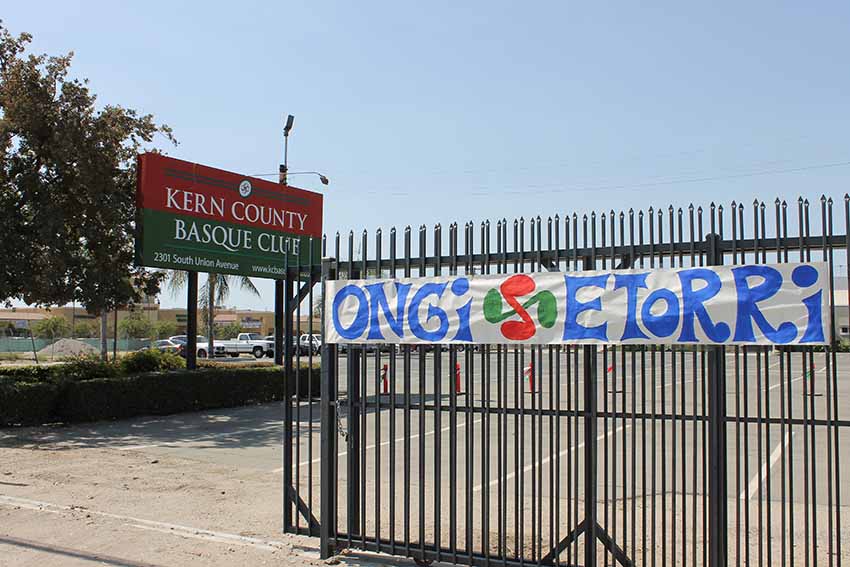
115,341
104,350
211,315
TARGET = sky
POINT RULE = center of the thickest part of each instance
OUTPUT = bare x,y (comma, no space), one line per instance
437,111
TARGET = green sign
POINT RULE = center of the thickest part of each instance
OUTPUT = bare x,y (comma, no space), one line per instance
196,218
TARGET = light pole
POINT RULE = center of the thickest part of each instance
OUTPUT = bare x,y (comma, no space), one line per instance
290,120
283,291
281,286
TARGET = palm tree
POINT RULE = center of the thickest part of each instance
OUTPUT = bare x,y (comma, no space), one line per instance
215,291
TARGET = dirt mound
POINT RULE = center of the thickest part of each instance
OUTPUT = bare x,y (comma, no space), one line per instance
67,347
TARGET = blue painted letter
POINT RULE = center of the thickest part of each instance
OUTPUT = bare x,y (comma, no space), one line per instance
748,298
379,301
807,276
631,282
413,313
692,305
665,324
359,324
572,330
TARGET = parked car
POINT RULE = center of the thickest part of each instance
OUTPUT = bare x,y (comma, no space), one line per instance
310,344
343,348
202,344
183,339
163,345
247,343
300,348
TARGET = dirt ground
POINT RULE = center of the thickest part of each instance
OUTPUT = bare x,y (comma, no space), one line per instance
89,506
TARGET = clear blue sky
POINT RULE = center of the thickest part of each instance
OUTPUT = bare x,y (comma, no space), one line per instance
440,111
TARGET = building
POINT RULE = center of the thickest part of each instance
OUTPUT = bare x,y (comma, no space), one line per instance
17,320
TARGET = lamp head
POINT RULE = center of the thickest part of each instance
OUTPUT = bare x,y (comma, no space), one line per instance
289,121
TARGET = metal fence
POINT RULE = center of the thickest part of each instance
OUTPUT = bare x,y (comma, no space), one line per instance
26,344
568,454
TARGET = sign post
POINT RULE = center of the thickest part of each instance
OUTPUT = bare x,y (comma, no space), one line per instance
192,321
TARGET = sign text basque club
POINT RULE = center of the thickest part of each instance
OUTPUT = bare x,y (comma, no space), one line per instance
194,217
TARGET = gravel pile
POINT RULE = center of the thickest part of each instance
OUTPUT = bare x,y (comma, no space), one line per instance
67,347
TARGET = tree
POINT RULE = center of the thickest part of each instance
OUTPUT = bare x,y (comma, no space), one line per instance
84,330
229,331
135,326
164,329
67,186
215,291
51,328
317,303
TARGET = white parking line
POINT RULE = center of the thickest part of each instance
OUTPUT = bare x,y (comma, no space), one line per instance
174,529
204,438
797,379
759,478
383,444
547,459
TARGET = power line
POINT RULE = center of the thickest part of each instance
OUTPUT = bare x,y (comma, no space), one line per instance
539,188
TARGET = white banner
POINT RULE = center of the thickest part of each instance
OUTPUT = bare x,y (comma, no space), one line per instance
751,304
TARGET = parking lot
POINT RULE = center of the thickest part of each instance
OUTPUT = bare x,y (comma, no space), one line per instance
220,471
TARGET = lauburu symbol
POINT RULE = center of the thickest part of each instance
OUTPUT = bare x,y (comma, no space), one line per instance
512,288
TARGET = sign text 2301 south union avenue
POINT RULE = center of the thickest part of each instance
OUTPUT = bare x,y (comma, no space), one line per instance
194,217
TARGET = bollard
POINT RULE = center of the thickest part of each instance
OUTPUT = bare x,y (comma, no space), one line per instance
457,378
529,374
384,380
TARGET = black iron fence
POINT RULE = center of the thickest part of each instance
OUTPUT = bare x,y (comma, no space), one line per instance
566,454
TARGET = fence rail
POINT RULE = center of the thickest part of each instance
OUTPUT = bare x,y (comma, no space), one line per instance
569,454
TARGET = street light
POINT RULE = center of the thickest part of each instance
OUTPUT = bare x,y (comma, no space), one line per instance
290,120
322,178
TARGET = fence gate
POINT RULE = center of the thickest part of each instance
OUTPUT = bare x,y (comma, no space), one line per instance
582,455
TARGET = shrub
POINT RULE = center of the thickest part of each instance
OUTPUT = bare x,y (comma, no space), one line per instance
84,367
28,403
160,394
36,399
151,360
30,373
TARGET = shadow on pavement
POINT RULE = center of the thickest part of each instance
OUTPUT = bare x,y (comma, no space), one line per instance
98,558
246,426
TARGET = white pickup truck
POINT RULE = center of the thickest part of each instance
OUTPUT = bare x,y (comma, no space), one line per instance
247,343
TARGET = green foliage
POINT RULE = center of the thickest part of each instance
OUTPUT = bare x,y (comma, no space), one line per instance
135,326
67,185
34,402
30,373
164,329
28,403
229,331
51,328
151,360
85,367
85,330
